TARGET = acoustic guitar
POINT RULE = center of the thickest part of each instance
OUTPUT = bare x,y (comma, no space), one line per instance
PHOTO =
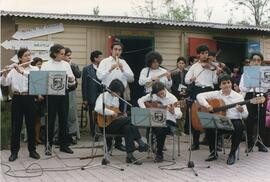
109,119
219,108
156,104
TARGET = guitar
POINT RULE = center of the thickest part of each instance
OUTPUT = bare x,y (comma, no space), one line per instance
149,84
109,119
156,104
219,108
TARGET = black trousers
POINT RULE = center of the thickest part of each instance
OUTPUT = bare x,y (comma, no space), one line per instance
237,134
124,127
58,105
92,123
195,91
22,106
161,133
252,119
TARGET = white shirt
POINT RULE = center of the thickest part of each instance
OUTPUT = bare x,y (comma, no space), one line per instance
109,100
106,77
144,78
53,65
169,99
18,81
244,89
204,77
233,98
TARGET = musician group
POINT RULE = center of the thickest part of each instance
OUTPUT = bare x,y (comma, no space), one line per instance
205,80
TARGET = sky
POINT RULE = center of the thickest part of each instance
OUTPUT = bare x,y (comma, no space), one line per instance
220,14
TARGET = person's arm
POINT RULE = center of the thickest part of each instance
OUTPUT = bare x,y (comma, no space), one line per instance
76,70
99,107
143,79
203,97
144,99
190,75
84,84
103,70
128,72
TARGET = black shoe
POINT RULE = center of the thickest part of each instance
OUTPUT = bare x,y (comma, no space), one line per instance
262,149
120,147
231,160
66,150
212,157
159,158
133,160
195,147
48,151
12,157
143,148
34,155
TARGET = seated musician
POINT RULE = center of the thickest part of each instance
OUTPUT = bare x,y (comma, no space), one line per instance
154,72
236,114
119,124
161,95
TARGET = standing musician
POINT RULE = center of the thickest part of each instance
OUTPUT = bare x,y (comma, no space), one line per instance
255,60
236,114
161,95
58,104
154,72
117,123
115,68
179,88
23,104
201,79
90,89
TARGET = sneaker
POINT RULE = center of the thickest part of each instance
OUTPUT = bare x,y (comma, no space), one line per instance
133,160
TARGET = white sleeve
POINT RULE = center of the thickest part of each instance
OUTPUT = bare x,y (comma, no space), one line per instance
143,79
189,75
99,105
242,88
203,97
102,71
128,72
6,81
143,99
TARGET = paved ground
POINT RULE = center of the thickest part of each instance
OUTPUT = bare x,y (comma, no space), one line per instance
66,167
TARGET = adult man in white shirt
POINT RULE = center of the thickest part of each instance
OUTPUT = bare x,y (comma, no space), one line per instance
255,60
160,94
235,114
115,68
112,68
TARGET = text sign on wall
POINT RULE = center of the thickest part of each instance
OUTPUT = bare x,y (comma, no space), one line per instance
39,31
32,45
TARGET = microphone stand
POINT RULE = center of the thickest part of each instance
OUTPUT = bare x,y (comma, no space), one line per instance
105,161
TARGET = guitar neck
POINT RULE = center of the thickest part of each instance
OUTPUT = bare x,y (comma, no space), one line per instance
222,108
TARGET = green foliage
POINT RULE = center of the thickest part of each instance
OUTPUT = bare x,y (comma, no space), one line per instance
259,9
167,9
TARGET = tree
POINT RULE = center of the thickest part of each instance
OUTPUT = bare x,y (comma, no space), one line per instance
258,9
96,10
174,11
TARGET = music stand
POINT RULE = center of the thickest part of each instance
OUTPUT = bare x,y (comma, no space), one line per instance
257,77
216,122
47,83
190,163
105,161
148,118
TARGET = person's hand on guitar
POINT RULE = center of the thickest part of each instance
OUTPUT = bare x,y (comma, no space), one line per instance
239,108
168,75
170,108
210,108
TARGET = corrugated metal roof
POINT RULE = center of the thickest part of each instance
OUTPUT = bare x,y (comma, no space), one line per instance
134,20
